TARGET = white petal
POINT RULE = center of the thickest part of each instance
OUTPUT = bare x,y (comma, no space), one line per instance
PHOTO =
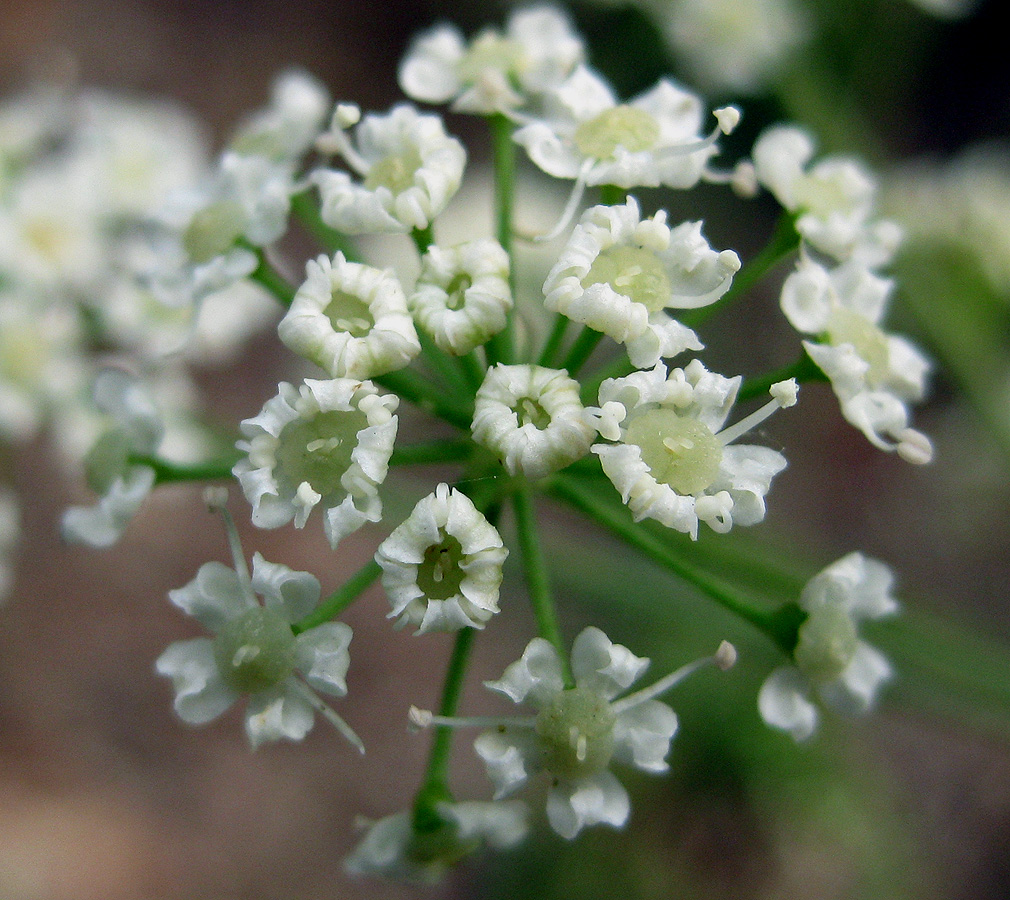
200,694
279,713
642,735
783,703
297,593
537,674
508,756
600,799
322,656
602,667
855,691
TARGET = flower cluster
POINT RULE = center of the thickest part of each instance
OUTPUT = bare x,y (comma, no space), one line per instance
590,390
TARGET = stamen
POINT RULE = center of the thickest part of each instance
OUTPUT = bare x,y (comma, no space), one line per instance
783,394
727,118
216,498
574,199
327,713
914,447
336,141
419,719
724,658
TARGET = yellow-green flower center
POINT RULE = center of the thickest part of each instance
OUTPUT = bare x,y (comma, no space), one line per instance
491,52
827,642
318,450
576,732
213,230
621,126
634,273
349,313
456,291
395,171
439,575
530,412
255,651
680,451
869,342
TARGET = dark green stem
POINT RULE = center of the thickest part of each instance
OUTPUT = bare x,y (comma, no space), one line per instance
423,238
537,579
554,340
803,370
412,388
581,350
341,598
267,276
501,347
432,452
307,212
166,472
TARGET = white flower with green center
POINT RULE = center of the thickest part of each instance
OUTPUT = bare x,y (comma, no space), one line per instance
673,461
255,653
442,567
495,72
123,484
393,848
874,374
620,274
578,731
350,319
462,296
10,532
834,198
409,168
652,140
325,444
532,419
830,659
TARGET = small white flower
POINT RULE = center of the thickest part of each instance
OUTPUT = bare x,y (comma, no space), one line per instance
255,653
442,567
834,198
673,460
652,140
532,419
829,657
410,169
326,444
578,731
462,296
392,847
496,72
620,274
124,485
10,532
350,319
874,374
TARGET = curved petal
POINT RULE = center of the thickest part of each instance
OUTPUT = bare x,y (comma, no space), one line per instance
783,703
322,657
279,713
603,667
642,735
297,593
592,801
537,675
200,694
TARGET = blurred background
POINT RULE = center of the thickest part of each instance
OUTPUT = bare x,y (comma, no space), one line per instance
107,796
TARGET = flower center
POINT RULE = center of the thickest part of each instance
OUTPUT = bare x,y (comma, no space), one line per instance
456,291
439,575
318,450
349,313
395,172
576,731
633,272
827,642
679,451
213,230
255,651
621,126
530,412
869,342
490,52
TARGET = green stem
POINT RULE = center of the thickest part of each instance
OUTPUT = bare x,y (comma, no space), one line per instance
166,472
581,350
779,625
432,452
803,370
501,347
307,213
435,787
537,579
617,368
448,368
412,388
785,239
554,340
341,598
267,276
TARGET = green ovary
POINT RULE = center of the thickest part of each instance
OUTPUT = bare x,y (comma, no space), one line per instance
634,273
490,52
255,651
530,412
869,342
827,642
395,172
439,575
576,732
455,292
622,126
212,231
679,451
349,313
318,450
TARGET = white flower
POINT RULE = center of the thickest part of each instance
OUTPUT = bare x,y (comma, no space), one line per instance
620,274
324,444
532,419
123,484
350,319
10,532
410,169
462,296
254,651
652,140
874,374
496,72
674,460
829,657
578,731
393,848
834,199
442,567
286,128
